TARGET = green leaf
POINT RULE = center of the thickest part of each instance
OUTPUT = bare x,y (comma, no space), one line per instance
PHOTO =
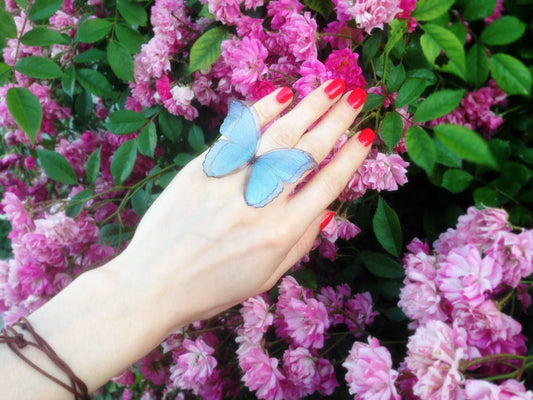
372,101
38,67
322,7
140,202
5,73
466,144
120,61
147,140
511,75
438,104
22,3
395,77
133,13
410,91
171,125
93,167
8,28
397,29
459,30
456,180
43,36
383,266
182,159
56,167
130,38
371,47
422,73
421,148
206,49
122,122
437,39
94,82
387,228
477,72
503,30
123,161
43,9
426,10
478,9
445,156
486,197
26,110
68,80
91,56
77,202
114,234
92,30
196,138
391,129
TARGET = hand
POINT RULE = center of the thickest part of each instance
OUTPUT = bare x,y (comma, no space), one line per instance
201,249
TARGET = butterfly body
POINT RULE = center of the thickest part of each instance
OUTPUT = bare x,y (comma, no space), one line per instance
241,131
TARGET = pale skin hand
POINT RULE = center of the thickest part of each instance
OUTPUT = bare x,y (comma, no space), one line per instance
198,251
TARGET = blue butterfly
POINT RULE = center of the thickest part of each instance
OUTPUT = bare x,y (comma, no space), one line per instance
242,132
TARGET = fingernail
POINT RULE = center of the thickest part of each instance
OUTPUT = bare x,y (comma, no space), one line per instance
335,88
366,137
327,219
357,98
284,95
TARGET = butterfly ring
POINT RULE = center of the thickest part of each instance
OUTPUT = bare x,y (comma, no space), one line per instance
241,133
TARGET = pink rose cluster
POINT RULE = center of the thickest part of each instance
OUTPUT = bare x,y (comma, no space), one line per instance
49,249
455,296
282,48
301,319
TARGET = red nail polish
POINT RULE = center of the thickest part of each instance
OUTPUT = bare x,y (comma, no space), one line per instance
335,88
357,98
327,219
366,137
284,95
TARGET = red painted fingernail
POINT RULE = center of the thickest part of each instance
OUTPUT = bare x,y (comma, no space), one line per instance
327,219
284,95
357,98
335,88
366,137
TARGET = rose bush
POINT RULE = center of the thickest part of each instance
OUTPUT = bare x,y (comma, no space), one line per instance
418,288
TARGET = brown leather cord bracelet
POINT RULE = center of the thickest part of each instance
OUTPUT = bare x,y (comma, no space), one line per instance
16,341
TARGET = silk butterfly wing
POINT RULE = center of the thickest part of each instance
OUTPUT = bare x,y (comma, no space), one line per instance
271,170
240,136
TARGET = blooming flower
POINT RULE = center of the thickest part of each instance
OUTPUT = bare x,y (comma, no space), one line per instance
434,355
307,322
256,318
370,374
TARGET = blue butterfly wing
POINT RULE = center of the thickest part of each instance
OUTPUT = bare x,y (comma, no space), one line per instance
242,130
273,168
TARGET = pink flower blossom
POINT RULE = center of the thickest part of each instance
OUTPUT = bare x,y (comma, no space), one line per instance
162,86
299,33
261,373
246,58
514,390
490,330
421,302
368,14
514,252
194,366
282,10
256,317
152,367
333,299
464,276
370,375
434,355
359,313
307,322
328,381
343,64
301,374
